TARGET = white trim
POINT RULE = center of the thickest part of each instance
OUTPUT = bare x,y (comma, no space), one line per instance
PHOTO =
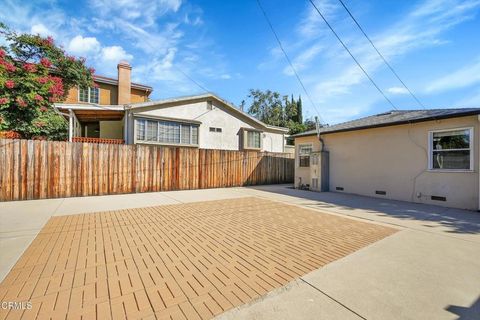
88,95
297,154
471,149
137,141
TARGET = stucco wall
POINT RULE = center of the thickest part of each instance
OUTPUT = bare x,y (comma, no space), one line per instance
218,117
111,129
395,159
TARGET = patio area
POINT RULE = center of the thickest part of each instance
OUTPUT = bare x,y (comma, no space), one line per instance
183,261
267,252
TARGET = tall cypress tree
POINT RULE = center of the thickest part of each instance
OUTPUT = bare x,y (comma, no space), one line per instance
299,110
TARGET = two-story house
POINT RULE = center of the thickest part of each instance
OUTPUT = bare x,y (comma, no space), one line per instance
98,112
119,111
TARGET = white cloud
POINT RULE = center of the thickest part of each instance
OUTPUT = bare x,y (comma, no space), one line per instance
303,59
115,54
83,46
397,90
225,76
472,101
142,12
42,30
463,77
334,79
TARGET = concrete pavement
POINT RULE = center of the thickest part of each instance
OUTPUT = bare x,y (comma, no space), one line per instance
430,269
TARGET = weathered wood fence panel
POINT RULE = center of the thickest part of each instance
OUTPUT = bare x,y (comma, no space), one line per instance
50,169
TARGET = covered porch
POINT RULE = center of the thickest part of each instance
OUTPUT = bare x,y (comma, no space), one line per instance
94,124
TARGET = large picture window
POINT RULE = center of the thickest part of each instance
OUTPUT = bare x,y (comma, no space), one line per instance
90,95
304,152
169,132
451,150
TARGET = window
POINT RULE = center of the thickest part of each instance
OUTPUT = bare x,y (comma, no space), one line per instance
213,129
167,132
451,150
253,140
304,152
88,95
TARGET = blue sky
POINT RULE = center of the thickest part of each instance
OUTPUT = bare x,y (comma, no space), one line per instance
227,47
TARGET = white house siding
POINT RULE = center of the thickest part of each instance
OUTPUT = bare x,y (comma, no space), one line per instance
218,117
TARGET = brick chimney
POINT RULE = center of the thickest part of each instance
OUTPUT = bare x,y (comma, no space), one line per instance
124,82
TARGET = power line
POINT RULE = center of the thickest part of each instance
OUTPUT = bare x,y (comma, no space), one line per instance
190,78
381,55
353,57
288,59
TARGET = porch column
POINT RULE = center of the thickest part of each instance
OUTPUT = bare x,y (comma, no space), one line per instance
70,125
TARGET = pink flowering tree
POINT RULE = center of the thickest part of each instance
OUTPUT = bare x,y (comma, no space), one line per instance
34,74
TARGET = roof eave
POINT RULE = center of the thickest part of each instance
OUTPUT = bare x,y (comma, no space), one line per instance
396,123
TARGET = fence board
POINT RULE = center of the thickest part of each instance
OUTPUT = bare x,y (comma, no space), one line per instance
47,169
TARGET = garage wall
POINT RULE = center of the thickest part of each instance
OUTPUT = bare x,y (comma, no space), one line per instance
395,160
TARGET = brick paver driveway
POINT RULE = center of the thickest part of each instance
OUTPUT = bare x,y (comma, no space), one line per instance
190,261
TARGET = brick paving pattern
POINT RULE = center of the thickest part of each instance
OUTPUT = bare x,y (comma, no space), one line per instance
186,261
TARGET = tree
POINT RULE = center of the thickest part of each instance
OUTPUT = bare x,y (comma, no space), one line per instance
34,74
299,110
267,107
274,109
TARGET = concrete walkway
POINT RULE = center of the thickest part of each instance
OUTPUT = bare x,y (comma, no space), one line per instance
430,269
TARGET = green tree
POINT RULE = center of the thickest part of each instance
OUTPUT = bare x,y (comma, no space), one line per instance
274,109
290,109
299,110
267,107
34,74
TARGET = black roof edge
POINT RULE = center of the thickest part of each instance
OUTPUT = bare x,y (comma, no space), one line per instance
396,123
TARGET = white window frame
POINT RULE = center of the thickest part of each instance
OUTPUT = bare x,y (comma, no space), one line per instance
88,95
430,150
136,140
299,154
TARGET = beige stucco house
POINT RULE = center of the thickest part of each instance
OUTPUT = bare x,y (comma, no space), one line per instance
424,156
120,111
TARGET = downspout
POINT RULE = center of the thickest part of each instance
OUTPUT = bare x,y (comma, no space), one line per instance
324,162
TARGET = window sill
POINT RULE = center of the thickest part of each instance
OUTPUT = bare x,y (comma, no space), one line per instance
451,170
166,144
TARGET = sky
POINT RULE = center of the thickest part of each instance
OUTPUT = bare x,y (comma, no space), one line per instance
184,47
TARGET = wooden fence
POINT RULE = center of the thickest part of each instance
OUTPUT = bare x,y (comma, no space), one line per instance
50,169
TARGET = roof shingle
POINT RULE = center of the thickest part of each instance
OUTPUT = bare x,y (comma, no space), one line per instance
394,117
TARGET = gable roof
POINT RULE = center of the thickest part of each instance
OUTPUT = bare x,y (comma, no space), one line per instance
392,118
108,80
204,97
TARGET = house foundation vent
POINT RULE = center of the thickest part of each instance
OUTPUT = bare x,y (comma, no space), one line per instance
438,198
380,192
339,188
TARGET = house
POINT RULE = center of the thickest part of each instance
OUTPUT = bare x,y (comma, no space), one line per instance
424,156
119,111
